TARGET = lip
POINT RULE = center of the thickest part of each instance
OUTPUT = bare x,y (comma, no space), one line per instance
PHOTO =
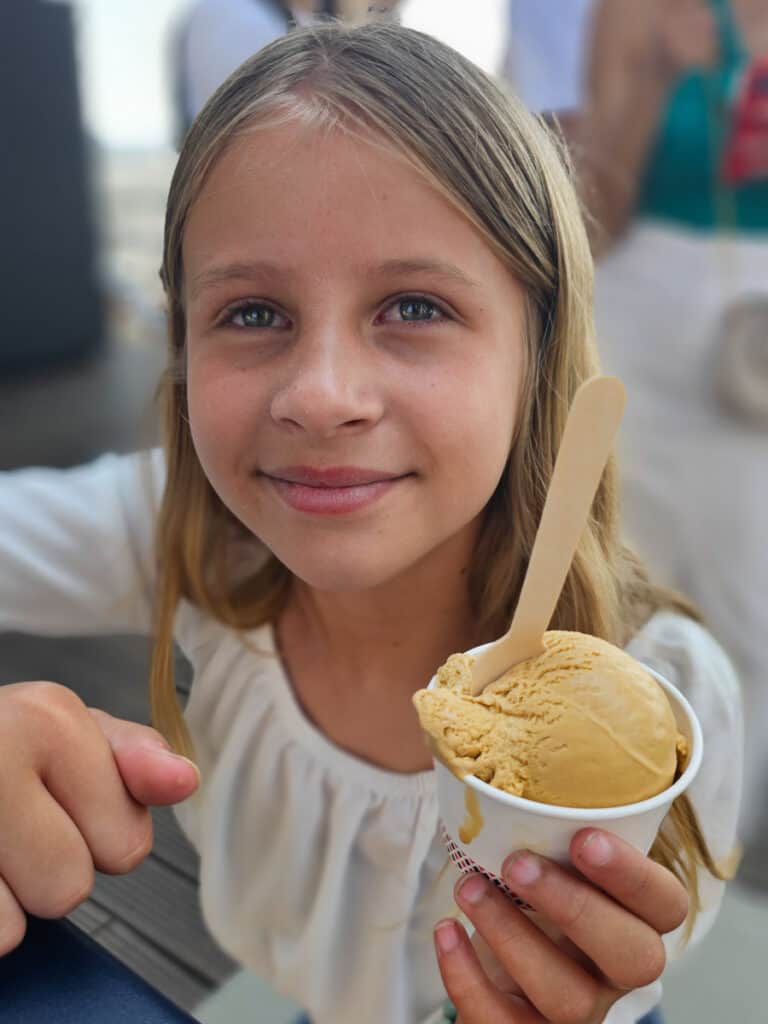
332,490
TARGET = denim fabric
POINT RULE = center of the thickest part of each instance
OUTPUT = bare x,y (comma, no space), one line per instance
654,1017
59,973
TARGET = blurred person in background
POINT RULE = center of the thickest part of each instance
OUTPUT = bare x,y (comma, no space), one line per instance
665,107
214,37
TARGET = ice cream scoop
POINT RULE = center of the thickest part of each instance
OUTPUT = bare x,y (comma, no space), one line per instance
481,824
581,725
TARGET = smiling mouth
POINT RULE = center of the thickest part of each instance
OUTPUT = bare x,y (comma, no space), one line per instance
331,492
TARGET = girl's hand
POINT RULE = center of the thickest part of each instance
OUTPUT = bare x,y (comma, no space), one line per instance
612,916
75,784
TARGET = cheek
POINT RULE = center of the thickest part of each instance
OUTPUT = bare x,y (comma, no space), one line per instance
220,411
472,426
485,416
482,446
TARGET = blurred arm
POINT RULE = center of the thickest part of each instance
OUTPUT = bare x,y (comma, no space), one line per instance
589,73
625,98
76,546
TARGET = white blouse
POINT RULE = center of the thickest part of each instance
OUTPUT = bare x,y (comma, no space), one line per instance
320,872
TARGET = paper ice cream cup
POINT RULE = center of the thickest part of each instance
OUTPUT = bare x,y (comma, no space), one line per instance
511,823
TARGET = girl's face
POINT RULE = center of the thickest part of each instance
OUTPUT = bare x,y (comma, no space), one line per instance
355,352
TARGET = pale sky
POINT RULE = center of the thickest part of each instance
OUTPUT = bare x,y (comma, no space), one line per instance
123,69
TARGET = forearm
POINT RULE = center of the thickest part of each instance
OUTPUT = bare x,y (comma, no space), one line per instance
76,548
610,144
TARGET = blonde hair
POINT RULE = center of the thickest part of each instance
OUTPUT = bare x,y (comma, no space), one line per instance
505,172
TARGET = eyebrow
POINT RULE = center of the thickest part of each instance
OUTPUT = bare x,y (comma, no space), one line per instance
237,271
245,270
426,266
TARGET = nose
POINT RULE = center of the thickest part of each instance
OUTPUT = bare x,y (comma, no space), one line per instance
330,385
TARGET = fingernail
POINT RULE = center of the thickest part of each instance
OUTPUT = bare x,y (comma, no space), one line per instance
176,757
156,743
522,868
596,849
446,936
473,889
179,759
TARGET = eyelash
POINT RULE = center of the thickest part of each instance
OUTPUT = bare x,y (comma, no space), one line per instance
227,317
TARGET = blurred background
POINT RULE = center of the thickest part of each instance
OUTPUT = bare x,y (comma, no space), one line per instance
664,109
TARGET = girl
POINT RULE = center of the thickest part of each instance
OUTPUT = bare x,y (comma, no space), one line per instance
379,303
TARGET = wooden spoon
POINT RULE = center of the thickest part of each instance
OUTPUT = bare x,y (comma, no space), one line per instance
592,423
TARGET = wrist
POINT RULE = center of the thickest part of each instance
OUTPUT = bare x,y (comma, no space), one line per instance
654,72
650,82
655,66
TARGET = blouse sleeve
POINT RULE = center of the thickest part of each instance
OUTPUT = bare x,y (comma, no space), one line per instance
76,546
690,658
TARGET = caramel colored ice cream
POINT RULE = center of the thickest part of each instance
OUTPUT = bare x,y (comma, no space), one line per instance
581,725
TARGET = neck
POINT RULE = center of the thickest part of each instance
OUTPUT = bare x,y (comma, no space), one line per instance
356,659
393,636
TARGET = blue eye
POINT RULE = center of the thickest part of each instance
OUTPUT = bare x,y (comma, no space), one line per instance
254,315
413,309
416,309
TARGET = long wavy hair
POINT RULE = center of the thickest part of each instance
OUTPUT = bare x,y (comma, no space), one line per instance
508,175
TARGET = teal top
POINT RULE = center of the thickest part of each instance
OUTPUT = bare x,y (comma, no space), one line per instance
680,182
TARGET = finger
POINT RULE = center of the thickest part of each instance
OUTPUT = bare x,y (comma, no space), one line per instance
559,988
44,861
499,976
152,773
632,879
627,950
67,755
475,998
13,921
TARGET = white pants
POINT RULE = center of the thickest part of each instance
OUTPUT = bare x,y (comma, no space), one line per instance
695,481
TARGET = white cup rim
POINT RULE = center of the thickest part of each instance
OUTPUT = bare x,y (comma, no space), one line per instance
597,814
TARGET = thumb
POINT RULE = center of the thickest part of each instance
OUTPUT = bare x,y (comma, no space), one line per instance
151,772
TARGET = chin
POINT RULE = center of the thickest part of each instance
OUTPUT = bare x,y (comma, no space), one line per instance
341,580
339,575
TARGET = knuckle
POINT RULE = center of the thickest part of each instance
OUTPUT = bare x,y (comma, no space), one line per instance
136,847
70,896
46,702
679,906
645,966
652,965
137,851
13,927
578,1006
641,883
462,986
509,947
573,907
463,992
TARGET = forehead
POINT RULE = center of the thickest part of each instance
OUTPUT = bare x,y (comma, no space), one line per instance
306,194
